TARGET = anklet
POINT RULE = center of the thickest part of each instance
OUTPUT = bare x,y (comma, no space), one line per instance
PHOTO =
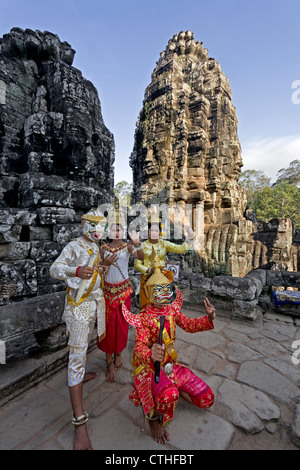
81,419
154,418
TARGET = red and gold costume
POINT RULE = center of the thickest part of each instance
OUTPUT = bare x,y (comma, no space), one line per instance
163,396
117,289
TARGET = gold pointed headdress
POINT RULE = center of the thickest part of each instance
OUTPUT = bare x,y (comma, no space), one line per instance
116,216
157,277
153,216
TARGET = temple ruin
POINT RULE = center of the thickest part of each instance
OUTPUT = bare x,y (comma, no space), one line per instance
187,151
56,161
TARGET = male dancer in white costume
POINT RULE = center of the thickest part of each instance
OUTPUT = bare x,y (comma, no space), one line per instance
80,314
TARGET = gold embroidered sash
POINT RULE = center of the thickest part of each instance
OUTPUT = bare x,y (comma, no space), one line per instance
169,342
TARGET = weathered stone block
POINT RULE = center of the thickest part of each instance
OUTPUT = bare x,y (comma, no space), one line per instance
291,279
65,233
14,216
265,378
247,310
14,251
274,278
196,279
295,434
20,276
259,278
44,251
21,321
233,287
245,407
56,215
37,197
9,233
43,275
40,233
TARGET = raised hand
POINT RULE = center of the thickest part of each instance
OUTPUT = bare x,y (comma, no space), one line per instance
134,237
190,232
210,309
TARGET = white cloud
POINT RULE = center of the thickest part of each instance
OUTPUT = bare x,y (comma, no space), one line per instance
270,154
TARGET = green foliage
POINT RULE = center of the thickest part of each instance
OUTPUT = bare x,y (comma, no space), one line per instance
254,182
289,175
280,200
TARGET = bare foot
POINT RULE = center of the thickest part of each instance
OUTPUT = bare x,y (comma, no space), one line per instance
118,361
110,373
81,440
186,396
90,376
159,432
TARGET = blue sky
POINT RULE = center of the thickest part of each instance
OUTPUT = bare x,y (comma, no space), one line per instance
118,43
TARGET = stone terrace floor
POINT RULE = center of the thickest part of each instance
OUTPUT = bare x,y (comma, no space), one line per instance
253,371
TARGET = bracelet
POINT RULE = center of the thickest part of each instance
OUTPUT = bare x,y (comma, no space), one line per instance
81,419
137,248
76,274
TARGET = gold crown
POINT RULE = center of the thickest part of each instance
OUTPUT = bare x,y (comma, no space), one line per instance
157,277
153,217
92,216
115,217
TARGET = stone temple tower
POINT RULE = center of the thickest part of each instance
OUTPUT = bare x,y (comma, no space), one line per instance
186,143
187,153
186,147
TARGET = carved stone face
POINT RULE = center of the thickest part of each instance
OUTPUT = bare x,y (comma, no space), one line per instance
150,165
237,165
161,294
93,231
231,165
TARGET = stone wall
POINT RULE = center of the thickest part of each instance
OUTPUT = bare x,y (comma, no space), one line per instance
56,158
244,299
56,162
